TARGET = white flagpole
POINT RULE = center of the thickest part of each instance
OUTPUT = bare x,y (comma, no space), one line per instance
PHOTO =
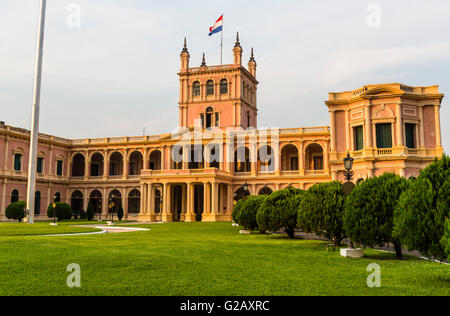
221,44
35,115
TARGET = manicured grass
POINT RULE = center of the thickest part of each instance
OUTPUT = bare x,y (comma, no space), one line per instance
43,228
203,259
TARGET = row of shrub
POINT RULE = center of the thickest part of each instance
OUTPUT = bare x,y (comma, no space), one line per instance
61,211
386,209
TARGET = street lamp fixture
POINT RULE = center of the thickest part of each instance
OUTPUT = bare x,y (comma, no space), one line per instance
111,207
348,165
54,209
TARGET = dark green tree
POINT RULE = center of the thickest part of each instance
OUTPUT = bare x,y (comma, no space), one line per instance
322,210
237,210
369,212
445,241
16,211
247,214
90,213
423,208
279,211
61,211
120,212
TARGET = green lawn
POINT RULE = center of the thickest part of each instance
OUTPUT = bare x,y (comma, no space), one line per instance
201,259
43,228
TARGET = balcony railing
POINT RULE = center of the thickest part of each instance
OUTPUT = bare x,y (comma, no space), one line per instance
314,172
385,151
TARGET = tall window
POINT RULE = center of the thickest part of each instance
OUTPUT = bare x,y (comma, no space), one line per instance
248,118
37,203
384,135
39,164
223,86
210,87
217,120
59,168
358,136
196,89
14,196
318,163
18,162
209,117
409,135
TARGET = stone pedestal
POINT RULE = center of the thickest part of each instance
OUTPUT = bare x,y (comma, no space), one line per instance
245,232
167,218
352,253
189,218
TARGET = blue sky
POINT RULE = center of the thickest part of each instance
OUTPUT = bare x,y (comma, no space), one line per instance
116,73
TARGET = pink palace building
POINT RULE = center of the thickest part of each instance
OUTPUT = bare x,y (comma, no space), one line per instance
218,155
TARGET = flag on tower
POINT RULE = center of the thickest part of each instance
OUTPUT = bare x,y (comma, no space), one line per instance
217,27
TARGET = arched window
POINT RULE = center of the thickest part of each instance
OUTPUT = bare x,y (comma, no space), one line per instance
265,191
37,203
116,164
158,201
78,165
97,162
96,200
223,86
14,196
115,201
155,160
76,201
196,89
241,193
242,161
17,162
40,165
210,87
134,202
136,163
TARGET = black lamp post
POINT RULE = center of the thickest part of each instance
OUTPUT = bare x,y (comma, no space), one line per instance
54,208
348,164
111,206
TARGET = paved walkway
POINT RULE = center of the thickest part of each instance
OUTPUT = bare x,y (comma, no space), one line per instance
103,230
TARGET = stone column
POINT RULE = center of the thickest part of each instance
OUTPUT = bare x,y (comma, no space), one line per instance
163,158
3,205
437,120
85,199
125,164
190,214
142,210
214,194
301,159
421,127
334,175
326,159
106,168
399,125
167,198
347,131
333,129
368,126
229,199
145,161
87,162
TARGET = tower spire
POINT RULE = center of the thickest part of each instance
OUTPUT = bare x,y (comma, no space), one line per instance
252,57
203,61
238,44
185,49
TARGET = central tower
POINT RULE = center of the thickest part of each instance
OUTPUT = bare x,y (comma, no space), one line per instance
218,96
